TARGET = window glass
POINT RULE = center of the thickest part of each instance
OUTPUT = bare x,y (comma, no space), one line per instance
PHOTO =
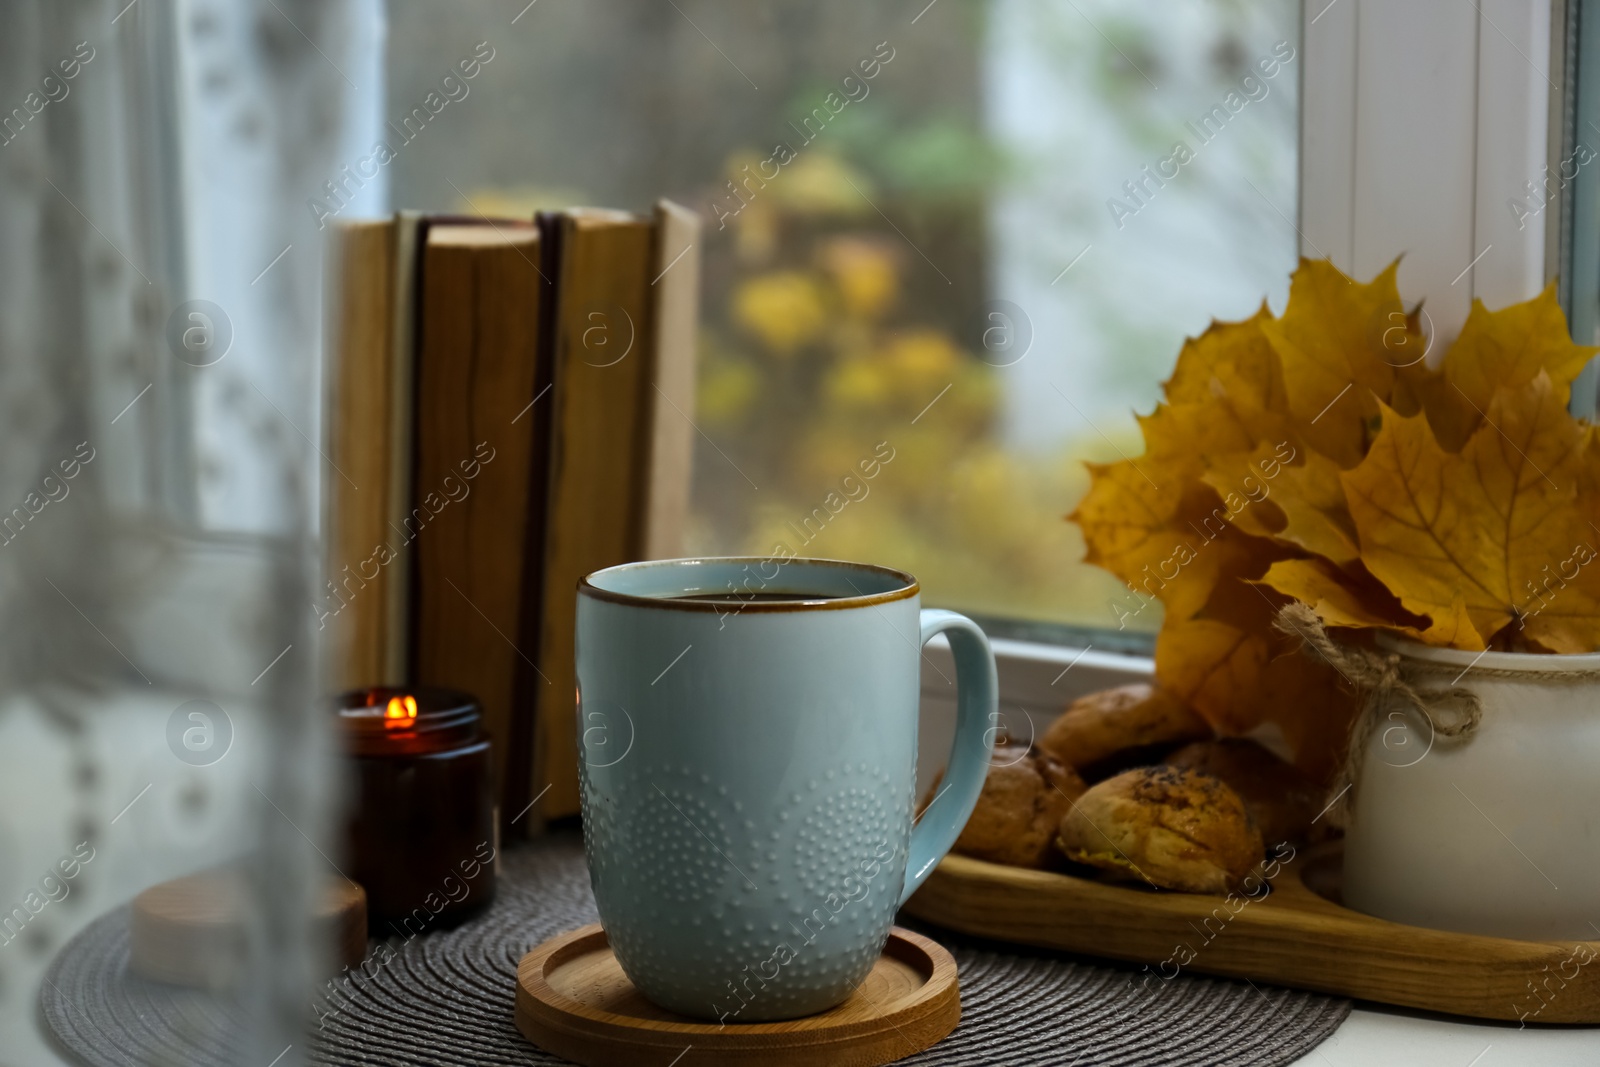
950,248
1575,186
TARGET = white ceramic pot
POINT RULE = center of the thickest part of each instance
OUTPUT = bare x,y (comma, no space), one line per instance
1496,834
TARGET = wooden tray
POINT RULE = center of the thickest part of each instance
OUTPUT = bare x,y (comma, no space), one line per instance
574,1001
1298,935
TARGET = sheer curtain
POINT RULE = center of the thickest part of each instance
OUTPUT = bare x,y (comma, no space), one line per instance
159,330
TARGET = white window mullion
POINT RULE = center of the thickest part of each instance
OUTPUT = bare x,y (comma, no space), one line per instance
1421,120
1328,130
1416,150
1515,88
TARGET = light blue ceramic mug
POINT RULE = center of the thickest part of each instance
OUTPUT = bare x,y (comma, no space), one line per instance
748,737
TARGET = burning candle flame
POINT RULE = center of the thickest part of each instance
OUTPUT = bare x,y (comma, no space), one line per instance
400,712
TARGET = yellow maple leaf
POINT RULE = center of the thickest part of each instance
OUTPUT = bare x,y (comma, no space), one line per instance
1184,436
1341,598
1248,476
1335,364
1210,664
1168,537
1495,350
1232,371
1481,525
1314,507
1216,660
1297,498
1450,412
1508,348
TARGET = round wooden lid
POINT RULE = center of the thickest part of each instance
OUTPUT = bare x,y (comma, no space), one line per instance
191,931
574,1001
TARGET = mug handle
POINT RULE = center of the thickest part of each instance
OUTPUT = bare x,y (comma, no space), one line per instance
977,699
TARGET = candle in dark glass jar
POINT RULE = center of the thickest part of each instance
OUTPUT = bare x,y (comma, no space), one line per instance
422,839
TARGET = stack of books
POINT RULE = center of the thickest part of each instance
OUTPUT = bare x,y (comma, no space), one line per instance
509,406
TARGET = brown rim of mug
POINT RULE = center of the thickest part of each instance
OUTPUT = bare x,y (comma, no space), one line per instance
909,588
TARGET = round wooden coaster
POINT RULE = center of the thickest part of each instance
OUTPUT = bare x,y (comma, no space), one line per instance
191,931
574,1001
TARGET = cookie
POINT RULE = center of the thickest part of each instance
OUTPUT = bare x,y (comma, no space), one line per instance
1023,799
1166,826
1114,729
1280,798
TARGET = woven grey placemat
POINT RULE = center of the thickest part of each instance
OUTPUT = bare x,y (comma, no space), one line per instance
446,998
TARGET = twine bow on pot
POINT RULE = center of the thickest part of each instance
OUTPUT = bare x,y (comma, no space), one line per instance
1452,713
